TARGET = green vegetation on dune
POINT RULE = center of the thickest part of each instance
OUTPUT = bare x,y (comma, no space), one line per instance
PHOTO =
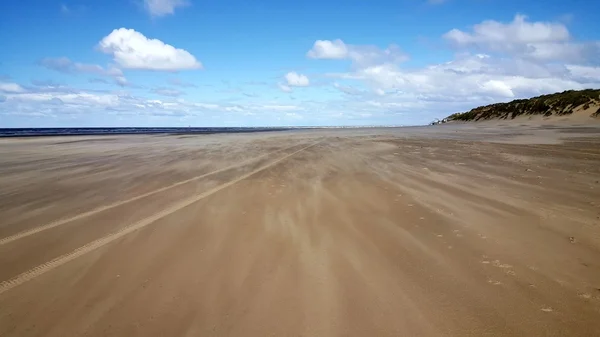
560,104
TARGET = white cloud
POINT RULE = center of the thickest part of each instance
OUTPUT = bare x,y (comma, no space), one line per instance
537,40
285,88
10,88
74,99
60,64
96,69
385,94
325,49
496,62
132,50
60,103
497,88
584,73
65,65
293,79
163,7
121,80
379,92
360,55
469,78
520,59
167,92
519,31
459,85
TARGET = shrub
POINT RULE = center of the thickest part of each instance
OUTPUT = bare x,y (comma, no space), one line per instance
561,103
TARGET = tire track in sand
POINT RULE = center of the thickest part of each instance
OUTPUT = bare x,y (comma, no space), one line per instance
60,222
59,261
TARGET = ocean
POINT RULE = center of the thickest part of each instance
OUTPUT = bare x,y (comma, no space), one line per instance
31,132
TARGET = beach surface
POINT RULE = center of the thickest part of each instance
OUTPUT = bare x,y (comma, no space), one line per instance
452,230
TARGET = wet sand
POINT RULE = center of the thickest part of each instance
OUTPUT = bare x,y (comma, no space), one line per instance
454,230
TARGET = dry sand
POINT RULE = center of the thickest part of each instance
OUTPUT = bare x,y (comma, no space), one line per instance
455,230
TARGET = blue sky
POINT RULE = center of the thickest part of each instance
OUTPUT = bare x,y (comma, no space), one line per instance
259,63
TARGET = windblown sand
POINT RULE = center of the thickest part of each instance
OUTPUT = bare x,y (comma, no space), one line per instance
456,230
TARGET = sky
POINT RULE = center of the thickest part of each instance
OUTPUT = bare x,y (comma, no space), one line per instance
201,63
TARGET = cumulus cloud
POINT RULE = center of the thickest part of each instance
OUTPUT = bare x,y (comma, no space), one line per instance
326,49
293,79
360,55
163,7
132,50
545,41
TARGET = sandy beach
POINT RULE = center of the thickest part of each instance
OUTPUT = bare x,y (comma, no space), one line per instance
452,230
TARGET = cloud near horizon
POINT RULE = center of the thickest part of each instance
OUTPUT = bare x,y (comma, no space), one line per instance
495,62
